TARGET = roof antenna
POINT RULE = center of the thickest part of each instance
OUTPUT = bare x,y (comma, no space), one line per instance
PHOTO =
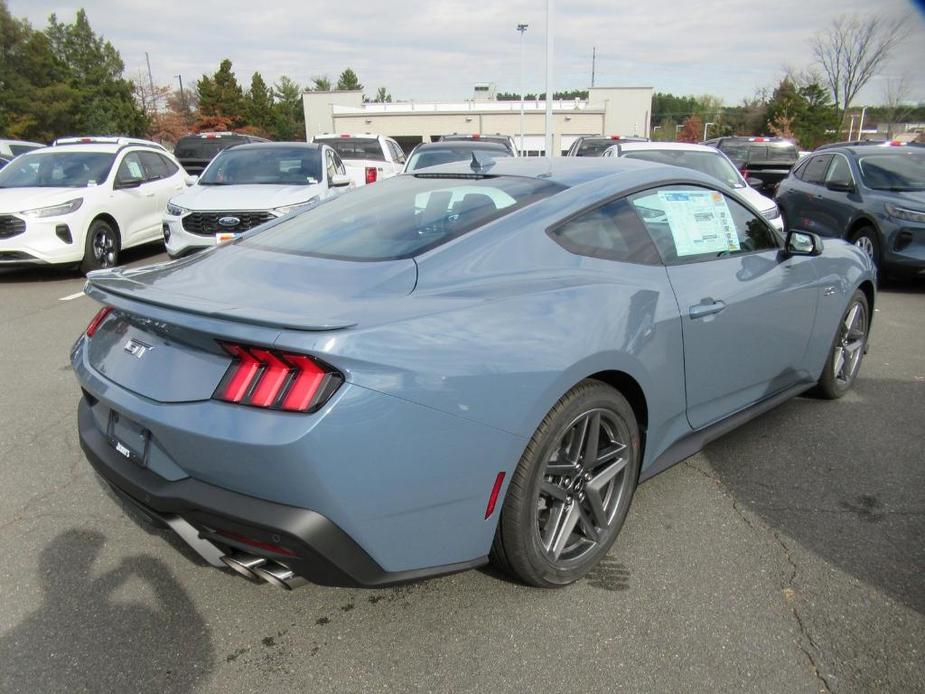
475,164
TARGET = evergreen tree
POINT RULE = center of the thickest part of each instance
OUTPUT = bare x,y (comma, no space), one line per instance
260,104
383,96
221,99
321,84
288,111
348,81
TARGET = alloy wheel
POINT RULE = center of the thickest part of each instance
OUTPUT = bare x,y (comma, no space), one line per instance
850,344
865,244
583,481
104,248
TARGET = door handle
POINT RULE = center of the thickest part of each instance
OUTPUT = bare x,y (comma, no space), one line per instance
707,307
818,196
149,195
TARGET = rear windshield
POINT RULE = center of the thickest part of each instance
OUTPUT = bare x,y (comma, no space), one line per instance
434,156
401,217
20,149
204,147
280,166
897,171
711,163
593,148
356,148
503,141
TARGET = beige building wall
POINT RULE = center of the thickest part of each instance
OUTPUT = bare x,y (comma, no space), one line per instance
627,110
317,107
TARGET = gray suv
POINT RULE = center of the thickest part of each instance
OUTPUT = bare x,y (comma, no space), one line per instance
871,195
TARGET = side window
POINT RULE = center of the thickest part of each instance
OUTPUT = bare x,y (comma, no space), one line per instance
154,166
691,224
168,165
839,171
611,231
130,169
397,154
800,169
814,172
330,165
339,165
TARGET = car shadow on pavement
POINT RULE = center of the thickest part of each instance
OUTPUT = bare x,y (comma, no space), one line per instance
852,494
97,633
58,273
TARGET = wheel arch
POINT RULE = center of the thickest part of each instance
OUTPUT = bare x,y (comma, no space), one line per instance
868,288
861,221
630,389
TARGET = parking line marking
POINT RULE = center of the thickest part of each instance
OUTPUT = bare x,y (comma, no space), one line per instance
77,295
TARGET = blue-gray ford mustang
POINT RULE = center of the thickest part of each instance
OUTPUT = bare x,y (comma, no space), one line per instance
475,362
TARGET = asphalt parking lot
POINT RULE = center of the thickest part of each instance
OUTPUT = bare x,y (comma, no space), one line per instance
787,557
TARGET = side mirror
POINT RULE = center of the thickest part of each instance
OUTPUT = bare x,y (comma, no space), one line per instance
128,183
802,243
840,186
339,181
191,180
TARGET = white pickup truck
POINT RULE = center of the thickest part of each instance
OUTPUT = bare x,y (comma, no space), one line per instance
367,157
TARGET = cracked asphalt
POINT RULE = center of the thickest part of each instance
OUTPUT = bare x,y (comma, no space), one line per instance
787,557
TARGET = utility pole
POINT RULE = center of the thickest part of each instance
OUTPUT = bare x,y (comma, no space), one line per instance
593,61
549,133
151,82
522,28
861,124
705,126
851,127
182,93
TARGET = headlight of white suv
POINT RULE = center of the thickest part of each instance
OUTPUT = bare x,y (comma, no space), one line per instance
286,209
176,210
771,213
905,214
54,210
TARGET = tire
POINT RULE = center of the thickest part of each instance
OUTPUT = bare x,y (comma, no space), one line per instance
847,352
101,248
556,524
867,240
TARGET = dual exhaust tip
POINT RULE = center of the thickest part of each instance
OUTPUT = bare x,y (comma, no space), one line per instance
263,569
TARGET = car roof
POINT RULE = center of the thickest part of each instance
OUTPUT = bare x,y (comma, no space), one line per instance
567,171
684,146
463,144
866,147
21,142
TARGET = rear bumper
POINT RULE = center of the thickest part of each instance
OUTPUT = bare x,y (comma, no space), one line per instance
320,550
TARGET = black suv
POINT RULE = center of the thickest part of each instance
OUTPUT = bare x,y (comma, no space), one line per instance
870,195
594,145
194,152
763,161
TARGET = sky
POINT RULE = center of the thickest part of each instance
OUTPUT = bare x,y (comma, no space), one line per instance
437,49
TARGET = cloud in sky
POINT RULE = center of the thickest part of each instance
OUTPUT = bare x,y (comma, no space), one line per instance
437,49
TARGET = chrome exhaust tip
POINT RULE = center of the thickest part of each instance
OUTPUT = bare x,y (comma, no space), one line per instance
244,564
279,575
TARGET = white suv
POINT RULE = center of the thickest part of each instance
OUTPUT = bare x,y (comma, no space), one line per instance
82,203
248,185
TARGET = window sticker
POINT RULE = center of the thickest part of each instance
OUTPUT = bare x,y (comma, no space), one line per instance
700,222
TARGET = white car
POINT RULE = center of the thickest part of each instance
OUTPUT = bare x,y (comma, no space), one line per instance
706,160
368,157
82,203
13,148
247,185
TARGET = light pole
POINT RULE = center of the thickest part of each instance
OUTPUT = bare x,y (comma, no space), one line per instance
677,129
522,28
705,126
549,133
861,124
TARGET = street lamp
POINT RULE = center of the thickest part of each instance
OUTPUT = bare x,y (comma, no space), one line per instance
705,126
549,134
522,28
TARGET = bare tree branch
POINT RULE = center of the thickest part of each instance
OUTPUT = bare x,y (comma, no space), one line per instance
854,49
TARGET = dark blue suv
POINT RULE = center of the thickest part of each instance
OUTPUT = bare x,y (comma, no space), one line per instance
870,194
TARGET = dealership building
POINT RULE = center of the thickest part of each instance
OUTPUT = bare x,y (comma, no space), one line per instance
606,111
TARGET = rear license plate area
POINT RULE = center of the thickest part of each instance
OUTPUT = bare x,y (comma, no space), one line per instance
129,438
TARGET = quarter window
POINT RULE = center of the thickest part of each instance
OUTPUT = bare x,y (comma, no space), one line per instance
611,231
691,224
154,166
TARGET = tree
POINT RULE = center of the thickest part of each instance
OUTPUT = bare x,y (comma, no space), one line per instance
221,99
383,96
106,100
854,49
259,104
665,131
288,111
348,81
895,107
321,83
692,130
800,109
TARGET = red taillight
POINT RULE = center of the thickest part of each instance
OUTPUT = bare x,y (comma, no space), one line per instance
757,139
276,380
371,174
614,137
98,320
345,134
493,497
